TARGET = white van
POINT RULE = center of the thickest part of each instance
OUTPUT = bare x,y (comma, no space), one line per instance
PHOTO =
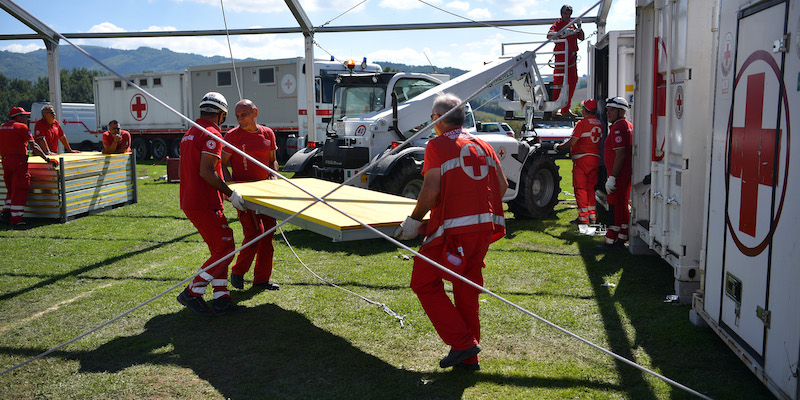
78,122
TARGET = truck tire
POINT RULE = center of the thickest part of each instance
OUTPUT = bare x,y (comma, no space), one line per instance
142,148
159,149
540,185
404,180
175,148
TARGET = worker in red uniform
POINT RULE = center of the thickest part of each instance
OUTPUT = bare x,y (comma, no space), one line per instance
116,140
617,155
259,142
463,188
585,153
201,193
47,132
572,34
15,139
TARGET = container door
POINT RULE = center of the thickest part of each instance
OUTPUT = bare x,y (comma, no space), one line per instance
756,173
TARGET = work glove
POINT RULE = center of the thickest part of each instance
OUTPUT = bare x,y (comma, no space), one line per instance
555,147
611,184
237,200
408,229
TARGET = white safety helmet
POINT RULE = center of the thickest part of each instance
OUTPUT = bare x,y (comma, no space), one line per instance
617,102
214,102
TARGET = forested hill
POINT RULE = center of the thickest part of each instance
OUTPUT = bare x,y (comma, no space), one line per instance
30,66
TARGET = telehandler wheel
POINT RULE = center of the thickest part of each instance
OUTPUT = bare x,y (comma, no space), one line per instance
404,180
540,185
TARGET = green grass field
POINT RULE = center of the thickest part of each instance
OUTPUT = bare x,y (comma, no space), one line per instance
313,341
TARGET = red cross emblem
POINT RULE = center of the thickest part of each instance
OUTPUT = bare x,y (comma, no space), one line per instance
473,161
659,100
501,152
679,102
138,107
727,54
753,152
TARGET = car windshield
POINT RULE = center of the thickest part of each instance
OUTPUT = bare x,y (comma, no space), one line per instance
353,101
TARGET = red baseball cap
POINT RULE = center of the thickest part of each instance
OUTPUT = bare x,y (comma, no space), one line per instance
590,105
17,111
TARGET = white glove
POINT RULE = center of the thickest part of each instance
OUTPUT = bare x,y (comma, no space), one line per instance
237,200
408,229
611,184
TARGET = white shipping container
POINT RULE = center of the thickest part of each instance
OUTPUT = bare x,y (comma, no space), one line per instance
750,271
671,121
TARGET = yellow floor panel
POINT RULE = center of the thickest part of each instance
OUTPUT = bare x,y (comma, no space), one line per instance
279,199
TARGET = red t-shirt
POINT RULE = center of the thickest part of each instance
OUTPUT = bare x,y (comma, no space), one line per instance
124,143
50,133
14,138
259,145
572,40
195,192
619,137
588,131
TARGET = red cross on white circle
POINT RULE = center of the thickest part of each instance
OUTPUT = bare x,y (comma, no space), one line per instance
473,161
138,107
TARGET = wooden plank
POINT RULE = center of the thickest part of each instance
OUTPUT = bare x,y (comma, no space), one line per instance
279,199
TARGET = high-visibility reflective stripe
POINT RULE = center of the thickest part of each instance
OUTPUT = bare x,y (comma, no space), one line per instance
592,208
456,163
198,289
466,221
16,208
221,293
219,282
577,156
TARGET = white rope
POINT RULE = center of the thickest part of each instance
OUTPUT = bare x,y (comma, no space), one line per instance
230,50
385,308
366,226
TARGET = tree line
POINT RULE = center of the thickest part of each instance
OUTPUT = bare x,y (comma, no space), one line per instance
76,87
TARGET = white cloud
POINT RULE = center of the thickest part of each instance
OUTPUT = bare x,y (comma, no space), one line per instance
105,27
457,5
400,5
480,14
19,48
277,6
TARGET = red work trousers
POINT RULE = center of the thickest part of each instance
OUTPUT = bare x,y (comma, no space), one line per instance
17,180
213,227
253,225
618,203
457,324
572,79
584,178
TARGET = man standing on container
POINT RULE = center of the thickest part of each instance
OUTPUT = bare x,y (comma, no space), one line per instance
585,153
116,140
571,35
463,188
48,133
617,157
15,139
201,200
259,142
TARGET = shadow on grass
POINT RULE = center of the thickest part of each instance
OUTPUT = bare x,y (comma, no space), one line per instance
659,331
55,278
268,352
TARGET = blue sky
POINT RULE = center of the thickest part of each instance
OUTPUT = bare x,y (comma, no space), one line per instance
461,48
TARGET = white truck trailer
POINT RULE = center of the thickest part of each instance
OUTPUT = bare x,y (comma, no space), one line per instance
716,86
276,86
